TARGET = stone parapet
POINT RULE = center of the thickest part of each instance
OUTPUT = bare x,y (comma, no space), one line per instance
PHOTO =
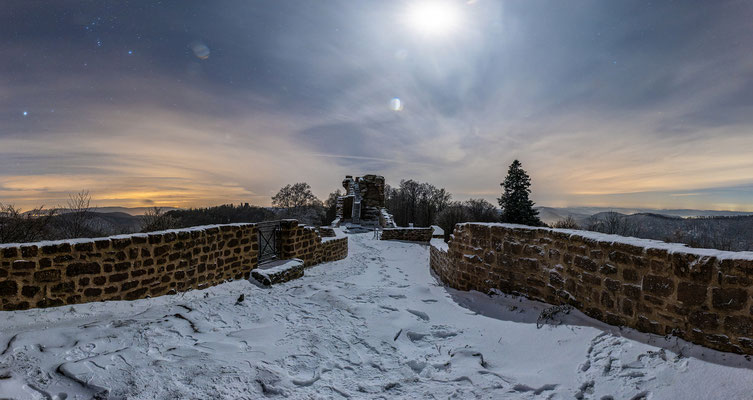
302,241
703,296
125,267
130,267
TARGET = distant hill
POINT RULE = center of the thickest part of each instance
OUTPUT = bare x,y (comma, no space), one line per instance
130,210
115,222
733,233
551,215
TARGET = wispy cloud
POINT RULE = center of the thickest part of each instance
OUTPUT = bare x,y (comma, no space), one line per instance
621,104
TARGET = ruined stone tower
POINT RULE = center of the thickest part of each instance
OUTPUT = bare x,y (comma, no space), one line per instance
363,202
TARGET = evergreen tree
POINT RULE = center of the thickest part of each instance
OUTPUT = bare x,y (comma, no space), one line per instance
517,208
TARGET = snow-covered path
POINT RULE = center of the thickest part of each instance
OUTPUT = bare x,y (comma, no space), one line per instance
375,325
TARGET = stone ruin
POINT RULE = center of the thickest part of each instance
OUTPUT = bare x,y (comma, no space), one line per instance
363,202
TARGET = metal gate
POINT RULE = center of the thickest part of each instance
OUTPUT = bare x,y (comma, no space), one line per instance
269,240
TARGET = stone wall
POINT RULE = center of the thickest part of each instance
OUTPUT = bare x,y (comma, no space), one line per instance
333,249
326,231
130,267
703,296
303,242
410,234
124,267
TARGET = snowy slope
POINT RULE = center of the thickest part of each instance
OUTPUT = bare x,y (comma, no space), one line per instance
375,325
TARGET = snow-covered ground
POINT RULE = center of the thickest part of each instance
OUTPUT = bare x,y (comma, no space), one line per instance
375,325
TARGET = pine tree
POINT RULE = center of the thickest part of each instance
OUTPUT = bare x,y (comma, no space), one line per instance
517,208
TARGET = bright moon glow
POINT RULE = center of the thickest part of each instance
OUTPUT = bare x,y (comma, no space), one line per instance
433,17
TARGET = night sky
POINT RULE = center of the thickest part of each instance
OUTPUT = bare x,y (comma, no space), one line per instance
189,103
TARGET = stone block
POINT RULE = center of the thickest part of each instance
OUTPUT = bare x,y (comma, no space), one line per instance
630,275
585,263
612,285
658,285
704,320
739,325
8,288
10,252
24,265
620,257
45,303
691,294
608,269
82,268
93,292
729,299
696,268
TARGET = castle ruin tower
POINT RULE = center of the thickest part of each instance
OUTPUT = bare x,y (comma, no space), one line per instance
363,202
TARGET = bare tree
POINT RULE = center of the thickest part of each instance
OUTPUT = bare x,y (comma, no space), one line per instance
415,202
22,227
613,223
331,205
300,203
295,196
453,214
74,219
566,223
480,210
411,191
154,219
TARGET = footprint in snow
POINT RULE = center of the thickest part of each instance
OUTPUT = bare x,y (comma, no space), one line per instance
420,314
525,388
415,336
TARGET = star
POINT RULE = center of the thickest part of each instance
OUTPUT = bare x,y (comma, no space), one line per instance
26,113
130,52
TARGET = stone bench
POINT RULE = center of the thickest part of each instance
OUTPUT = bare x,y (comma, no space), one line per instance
278,271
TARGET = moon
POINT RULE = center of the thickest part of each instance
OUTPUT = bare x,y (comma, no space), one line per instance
434,17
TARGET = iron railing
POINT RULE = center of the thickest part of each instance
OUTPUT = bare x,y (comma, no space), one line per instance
269,240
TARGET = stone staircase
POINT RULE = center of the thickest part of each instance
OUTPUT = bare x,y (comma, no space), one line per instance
356,191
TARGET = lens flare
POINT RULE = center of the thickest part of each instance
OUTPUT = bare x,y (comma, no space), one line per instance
200,50
396,104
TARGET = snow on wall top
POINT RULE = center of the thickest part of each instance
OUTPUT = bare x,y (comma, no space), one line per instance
339,234
407,228
645,243
439,244
125,236
281,266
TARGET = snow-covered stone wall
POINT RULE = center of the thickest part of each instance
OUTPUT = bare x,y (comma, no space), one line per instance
130,267
700,295
303,242
126,267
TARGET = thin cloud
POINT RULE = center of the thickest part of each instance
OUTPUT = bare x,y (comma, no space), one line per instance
616,104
